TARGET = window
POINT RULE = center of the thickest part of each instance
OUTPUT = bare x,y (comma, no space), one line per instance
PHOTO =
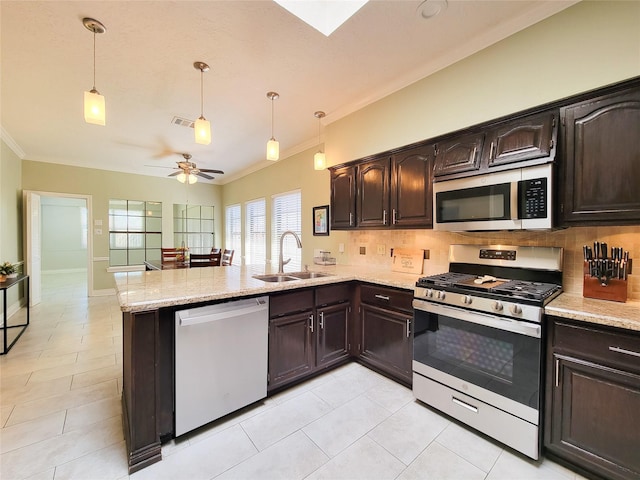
255,240
287,216
193,225
135,232
233,232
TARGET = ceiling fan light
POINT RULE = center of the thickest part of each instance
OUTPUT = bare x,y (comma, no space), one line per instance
319,161
94,109
273,150
192,179
202,129
181,177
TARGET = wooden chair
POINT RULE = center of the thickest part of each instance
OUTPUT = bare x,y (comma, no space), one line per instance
204,260
215,250
227,257
169,254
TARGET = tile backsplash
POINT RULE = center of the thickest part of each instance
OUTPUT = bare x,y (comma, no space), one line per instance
374,242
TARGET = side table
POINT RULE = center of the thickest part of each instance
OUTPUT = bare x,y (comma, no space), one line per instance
4,286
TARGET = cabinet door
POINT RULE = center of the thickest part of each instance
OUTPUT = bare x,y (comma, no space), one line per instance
290,348
524,139
412,187
462,154
332,339
372,198
602,160
595,417
343,198
387,342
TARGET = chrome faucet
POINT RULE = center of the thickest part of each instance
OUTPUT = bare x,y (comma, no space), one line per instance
281,262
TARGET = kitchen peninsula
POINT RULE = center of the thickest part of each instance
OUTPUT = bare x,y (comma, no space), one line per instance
149,301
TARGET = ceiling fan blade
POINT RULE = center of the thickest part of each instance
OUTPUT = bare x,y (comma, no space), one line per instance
204,175
174,174
158,166
220,172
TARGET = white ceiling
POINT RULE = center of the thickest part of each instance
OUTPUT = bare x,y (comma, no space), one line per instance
145,70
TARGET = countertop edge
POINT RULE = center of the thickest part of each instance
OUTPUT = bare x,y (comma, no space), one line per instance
599,312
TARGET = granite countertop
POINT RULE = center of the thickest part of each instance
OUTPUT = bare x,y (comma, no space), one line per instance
140,291
600,312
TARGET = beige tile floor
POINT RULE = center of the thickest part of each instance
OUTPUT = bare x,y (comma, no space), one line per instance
61,417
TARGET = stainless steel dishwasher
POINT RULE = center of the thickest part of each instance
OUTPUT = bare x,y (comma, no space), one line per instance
220,360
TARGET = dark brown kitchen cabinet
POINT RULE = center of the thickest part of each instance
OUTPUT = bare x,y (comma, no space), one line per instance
593,398
343,197
601,166
459,155
308,332
372,193
525,139
386,331
412,187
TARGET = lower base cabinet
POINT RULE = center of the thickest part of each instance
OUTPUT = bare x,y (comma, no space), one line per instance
386,331
593,398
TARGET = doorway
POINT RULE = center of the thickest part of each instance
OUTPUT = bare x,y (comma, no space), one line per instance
56,238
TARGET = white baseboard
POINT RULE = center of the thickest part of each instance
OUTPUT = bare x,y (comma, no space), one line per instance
64,270
12,309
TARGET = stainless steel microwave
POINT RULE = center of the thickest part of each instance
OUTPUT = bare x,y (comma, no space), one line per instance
516,199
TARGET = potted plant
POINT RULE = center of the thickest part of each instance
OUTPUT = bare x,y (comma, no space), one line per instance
6,269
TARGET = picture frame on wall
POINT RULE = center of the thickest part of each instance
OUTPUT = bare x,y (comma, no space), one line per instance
321,220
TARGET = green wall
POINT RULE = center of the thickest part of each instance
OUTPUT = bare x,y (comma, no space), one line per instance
103,185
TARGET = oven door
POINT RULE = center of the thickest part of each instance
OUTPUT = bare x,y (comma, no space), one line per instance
494,359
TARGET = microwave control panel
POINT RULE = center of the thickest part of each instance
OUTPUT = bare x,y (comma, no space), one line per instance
533,198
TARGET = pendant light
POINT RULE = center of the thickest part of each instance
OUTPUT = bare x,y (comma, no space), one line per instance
202,127
94,109
319,159
273,147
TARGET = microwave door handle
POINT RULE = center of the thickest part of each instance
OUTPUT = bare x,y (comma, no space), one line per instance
513,326
514,201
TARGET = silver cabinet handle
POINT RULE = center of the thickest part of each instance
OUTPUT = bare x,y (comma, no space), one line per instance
408,327
464,404
321,320
383,297
557,372
394,216
350,218
311,322
492,151
626,352
384,217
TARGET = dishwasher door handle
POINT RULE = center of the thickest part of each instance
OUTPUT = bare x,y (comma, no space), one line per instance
212,317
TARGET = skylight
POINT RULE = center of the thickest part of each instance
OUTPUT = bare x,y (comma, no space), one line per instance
323,15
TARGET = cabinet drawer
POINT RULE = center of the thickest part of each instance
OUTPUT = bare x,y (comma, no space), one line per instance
387,297
620,349
296,301
333,294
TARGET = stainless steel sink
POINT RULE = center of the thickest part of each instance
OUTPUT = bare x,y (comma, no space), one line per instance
287,277
276,278
307,275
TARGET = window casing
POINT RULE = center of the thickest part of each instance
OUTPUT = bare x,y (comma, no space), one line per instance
255,233
233,231
286,215
193,227
135,232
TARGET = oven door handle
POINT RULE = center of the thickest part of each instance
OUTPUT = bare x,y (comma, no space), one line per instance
480,318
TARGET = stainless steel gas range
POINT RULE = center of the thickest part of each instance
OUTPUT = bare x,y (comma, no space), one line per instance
478,330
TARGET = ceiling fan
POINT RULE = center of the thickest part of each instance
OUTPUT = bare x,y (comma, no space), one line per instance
187,167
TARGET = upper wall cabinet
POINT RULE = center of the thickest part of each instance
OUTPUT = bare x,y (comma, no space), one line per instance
601,160
372,193
525,139
343,197
459,155
412,187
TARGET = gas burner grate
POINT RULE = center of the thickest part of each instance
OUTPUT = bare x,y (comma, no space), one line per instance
522,289
444,279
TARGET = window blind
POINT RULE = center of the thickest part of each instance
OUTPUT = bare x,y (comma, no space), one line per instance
233,232
286,215
255,240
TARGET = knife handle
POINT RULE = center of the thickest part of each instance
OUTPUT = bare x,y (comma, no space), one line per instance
603,249
596,249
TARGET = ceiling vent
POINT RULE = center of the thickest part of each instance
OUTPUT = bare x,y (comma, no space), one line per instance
182,122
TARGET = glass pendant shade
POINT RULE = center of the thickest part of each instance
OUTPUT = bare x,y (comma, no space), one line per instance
319,161
182,177
94,109
202,130
273,150
192,179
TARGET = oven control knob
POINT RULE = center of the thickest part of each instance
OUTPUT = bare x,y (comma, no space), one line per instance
497,306
441,295
516,309
466,299
428,293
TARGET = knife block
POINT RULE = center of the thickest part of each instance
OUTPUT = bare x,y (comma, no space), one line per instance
615,290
